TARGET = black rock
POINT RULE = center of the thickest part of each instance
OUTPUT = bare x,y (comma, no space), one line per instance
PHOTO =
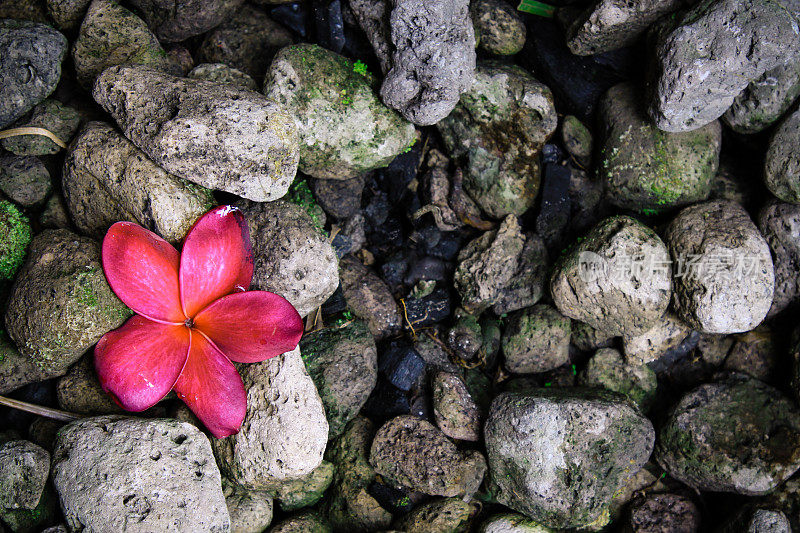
339,198
394,269
342,244
447,247
385,238
329,24
41,393
400,172
554,209
428,310
392,499
426,268
377,210
294,16
335,304
401,365
386,401
552,154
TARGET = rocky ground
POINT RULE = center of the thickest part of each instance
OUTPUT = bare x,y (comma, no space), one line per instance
549,267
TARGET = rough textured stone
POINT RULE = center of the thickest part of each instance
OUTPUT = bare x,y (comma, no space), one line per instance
433,58
782,165
17,370
498,128
291,257
486,265
79,390
221,73
498,27
456,413
54,215
14,239
67,14
247,41
126,474
339,198
705,58
728,286
559,455
611,24
24,180
350,506
448,515
343,363
587,339
369,298
756,354
61,304
607,369
657,513
410,452
526,285
217,136
24,468
536,339
343,127
764,101
668,332
739,436
51,115
107,179
30,66
284,432
599,282
250,510
373,17
512,523
305,491
308,522
647,169
577,139
779,223
176,21
111,35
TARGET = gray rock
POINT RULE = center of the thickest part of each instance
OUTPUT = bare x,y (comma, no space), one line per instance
756,354
647,169
61,304
577,139
782,165
42,431
67,14
722,269
14,239
308,522
487,264
248,144
656,513
738,435
221,73
247,41
536,339
24,520
433,58
410,452
24,10
588,339
16,369
512,523
79,390
111,35
24,180
250,510
24,468
444,515
107,179
339,198
284,432
559,455
126,474
704,59
303,268
527,283
667,333
764,100
343,127
498,27
498,128
456,413
608,370
611,24
343,362
763,521
616,279
351,506
465,336
369,297
305,491
30,66
54,215
176,21
373,17
51,115
779,223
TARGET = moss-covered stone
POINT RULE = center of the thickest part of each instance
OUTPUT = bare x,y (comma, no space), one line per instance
14,239
499,26
343,126
536,339
305,491
24,180
607,369
446,515
32,520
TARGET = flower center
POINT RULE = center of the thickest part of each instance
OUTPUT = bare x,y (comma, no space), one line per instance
189,323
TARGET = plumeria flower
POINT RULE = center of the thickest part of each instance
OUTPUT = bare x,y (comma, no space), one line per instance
194,316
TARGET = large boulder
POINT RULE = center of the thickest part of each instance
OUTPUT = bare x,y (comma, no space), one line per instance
782,164
177,21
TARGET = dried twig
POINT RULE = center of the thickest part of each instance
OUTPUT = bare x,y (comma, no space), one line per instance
55,414
31,130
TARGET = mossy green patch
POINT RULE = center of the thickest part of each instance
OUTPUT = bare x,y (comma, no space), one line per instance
15,236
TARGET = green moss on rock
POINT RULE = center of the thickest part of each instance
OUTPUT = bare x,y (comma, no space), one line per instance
15,235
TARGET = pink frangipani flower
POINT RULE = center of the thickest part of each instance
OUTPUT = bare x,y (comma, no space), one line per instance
193,317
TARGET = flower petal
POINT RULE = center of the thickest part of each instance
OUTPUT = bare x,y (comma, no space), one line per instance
139,362
212,388
251,326
142,269
216,260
